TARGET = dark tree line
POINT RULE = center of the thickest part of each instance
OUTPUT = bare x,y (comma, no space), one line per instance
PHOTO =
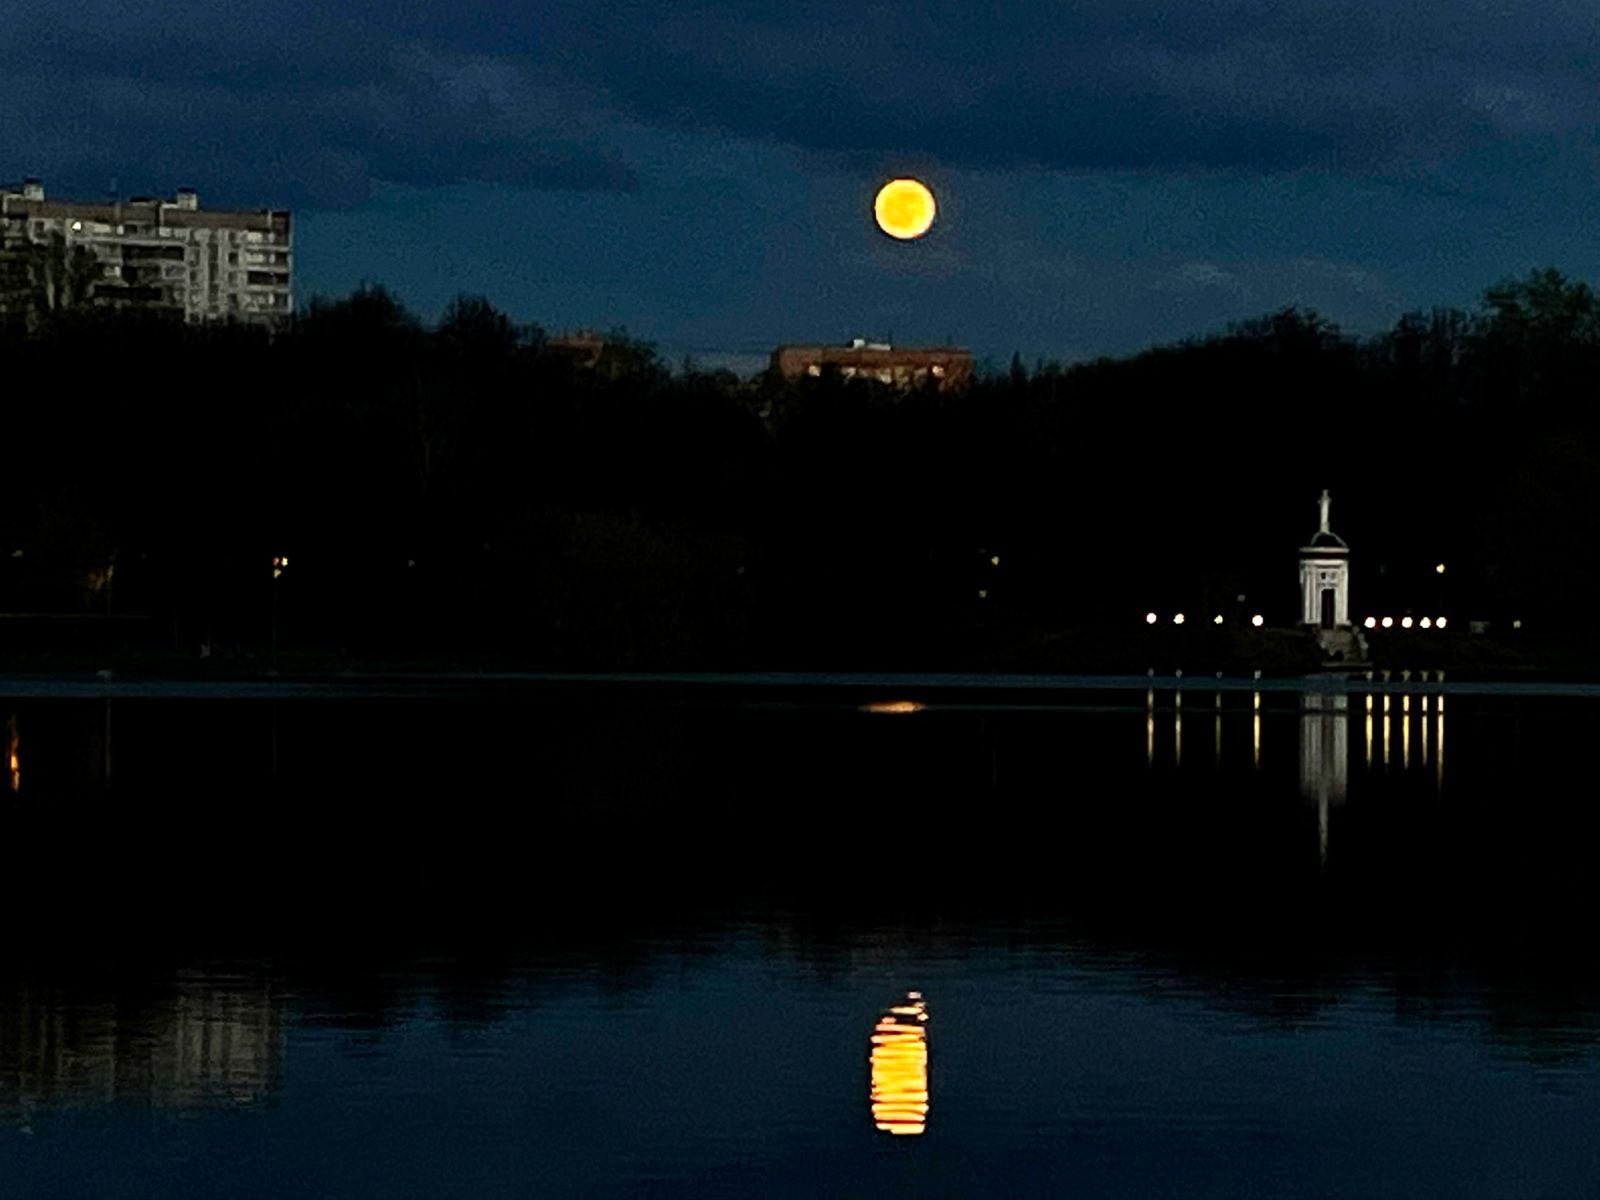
472,489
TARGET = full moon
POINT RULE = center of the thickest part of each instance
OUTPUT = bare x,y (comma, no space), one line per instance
904,208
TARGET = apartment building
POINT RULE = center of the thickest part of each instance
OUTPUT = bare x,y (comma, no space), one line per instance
167,255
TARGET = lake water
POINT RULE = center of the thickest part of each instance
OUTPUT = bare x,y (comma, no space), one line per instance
636,942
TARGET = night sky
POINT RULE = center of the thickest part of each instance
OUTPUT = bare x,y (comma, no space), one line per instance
1111,173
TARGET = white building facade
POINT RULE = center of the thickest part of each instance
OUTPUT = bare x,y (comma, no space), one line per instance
167,255
1325,578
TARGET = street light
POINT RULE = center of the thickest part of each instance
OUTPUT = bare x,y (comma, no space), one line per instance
1371,622
1258,620
1150,618
1388,622
1177,619
1438,569
1405,622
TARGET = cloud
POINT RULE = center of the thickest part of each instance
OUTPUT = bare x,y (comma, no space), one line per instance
313,103
1367,87
1202,277
305,113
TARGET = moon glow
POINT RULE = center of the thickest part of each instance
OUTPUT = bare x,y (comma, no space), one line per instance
904,209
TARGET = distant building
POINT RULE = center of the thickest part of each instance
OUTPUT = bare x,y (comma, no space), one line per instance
166,255
582,346
945,367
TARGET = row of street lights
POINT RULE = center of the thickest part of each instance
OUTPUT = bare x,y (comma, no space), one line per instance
1370,623
1151,618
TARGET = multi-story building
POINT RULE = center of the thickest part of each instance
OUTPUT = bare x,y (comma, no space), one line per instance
168,255
944,367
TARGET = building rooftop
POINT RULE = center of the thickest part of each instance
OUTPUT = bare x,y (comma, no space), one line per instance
28,199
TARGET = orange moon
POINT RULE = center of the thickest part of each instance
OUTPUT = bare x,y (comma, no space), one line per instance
904,209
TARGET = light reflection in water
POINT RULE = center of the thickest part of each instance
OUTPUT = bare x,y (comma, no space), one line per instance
1386,730
13,754
1216,735
1438,747
210,1043
1255,731
893,706
1324,757
1150,727
1177,729
900,1068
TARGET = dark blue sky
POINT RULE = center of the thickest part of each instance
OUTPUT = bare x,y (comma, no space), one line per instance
1111,174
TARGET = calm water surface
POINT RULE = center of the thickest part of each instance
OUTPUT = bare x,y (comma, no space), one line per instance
587,944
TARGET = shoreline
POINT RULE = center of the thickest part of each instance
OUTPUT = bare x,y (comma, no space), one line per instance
920,686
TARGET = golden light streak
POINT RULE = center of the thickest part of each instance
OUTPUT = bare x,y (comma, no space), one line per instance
1438,747
13,755
904,209
900,1068
1386,730
1255,735
893,706
1150,727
